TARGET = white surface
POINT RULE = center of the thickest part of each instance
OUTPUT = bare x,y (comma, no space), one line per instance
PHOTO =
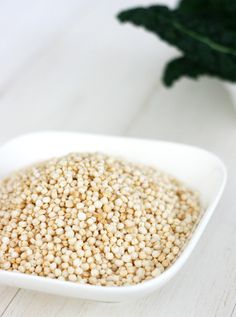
196,167
90,74
231,87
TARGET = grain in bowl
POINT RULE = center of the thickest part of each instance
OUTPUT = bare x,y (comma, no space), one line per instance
96,219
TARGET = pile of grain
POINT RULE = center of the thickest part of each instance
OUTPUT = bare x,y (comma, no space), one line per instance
92,218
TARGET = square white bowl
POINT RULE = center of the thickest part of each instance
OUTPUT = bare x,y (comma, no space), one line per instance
198,168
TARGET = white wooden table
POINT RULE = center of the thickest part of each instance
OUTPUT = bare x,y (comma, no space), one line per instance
69,65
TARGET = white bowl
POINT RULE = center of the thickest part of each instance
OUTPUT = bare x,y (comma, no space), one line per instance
196,167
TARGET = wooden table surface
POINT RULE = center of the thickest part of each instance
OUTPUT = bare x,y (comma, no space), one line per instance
69,65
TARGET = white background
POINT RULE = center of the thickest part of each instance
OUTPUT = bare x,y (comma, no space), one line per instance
69,65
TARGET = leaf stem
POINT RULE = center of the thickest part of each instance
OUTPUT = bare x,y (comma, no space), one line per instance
215,46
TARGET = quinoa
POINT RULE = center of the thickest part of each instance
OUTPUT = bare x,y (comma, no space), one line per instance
92,218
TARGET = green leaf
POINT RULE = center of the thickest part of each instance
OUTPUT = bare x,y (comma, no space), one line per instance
210,31
211,6
201,6
220,11
180,67
197,38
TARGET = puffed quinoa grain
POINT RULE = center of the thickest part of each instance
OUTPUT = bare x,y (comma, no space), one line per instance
92,218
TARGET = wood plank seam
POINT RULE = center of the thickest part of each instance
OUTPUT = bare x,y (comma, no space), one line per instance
11,300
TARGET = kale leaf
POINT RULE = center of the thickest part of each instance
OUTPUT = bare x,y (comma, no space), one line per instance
180,67
222,8
206,38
